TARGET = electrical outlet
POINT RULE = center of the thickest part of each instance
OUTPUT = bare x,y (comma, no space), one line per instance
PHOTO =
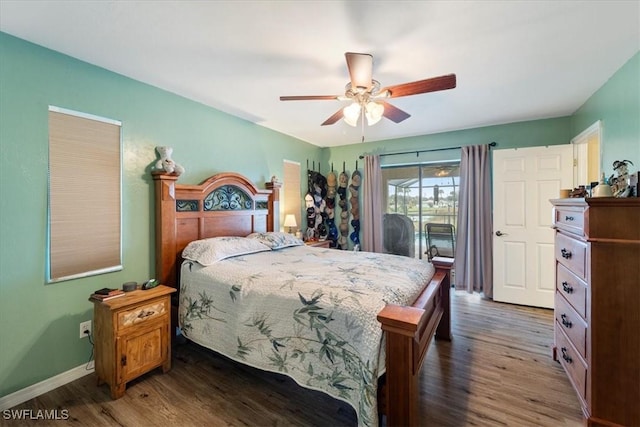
85,329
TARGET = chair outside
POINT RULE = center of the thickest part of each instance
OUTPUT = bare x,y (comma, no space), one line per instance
440,240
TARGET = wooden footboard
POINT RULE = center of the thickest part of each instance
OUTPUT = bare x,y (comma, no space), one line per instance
409,331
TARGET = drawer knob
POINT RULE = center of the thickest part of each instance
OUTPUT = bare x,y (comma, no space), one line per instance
568,218
567,288
565,356
565,253
565,322
144,314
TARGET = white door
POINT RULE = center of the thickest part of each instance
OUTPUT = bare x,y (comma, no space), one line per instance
524,180
586,152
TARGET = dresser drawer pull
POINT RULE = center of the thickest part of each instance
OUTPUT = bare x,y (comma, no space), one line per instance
565,322
568,289
144,314
565,356
565,253
568,218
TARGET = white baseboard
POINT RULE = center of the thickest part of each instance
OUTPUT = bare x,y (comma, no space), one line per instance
35,390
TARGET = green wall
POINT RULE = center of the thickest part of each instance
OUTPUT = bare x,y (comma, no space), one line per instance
522,134
39,323
617,104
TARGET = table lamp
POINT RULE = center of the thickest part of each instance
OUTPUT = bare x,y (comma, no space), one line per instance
290,221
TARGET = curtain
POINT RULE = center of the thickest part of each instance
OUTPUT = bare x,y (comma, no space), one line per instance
474,242
372,236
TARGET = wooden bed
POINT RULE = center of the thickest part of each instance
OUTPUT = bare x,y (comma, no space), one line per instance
228,204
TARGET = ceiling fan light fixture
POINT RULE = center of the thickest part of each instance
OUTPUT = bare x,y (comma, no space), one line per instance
373,112
384,94
351,114
368,98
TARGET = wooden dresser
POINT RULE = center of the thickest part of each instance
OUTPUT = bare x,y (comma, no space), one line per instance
132,336
597,305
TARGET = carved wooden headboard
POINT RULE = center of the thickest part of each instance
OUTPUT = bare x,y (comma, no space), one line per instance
226,204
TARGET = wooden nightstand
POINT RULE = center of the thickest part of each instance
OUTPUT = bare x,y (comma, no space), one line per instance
132,336
319,243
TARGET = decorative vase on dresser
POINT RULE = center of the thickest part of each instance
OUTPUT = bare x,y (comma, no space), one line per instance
597,305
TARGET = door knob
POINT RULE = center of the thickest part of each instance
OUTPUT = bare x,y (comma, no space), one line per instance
500,233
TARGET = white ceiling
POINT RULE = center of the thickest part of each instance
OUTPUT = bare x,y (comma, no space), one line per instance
514,60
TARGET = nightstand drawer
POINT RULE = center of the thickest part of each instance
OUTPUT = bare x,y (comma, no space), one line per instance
143,313
572,289
571,253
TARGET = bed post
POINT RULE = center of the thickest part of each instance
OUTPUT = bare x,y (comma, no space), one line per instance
444,327
165,216
409,331
273,224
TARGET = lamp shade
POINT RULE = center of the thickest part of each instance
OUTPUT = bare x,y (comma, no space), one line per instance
290,221
351,114
374,112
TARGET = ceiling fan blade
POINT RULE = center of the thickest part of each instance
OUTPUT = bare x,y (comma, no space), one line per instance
331,120
309,97
433,84
393,113
360,67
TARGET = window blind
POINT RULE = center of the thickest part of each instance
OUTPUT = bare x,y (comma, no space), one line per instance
84,195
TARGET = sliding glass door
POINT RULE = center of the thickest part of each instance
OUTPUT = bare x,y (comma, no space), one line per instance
415,196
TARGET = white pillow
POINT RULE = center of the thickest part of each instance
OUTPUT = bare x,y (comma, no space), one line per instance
276,239
209,251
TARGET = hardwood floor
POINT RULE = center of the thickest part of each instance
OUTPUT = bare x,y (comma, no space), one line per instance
497,371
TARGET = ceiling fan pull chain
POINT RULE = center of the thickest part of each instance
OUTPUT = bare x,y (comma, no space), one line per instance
362,121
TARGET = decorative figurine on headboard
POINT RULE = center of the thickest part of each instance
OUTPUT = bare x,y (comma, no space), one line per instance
620,182
166,163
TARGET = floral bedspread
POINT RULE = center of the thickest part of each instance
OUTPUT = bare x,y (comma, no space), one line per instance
305,312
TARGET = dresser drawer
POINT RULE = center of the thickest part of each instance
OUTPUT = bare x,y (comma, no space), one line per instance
568,219
143,313
572,363
571,253
572,289
571,324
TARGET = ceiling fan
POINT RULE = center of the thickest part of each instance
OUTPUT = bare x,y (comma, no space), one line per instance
368,98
